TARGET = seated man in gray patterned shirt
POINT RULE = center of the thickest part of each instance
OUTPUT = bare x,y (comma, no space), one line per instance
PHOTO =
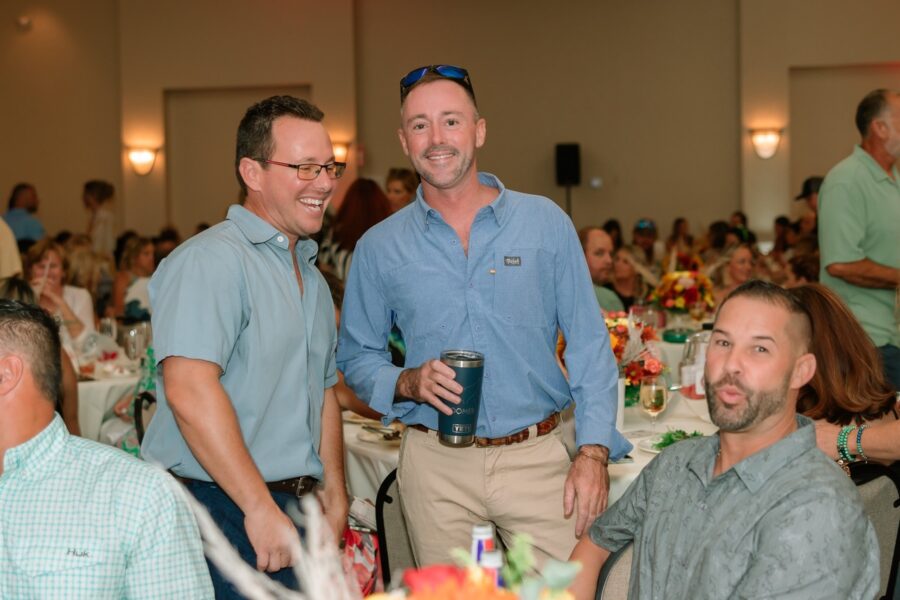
757,511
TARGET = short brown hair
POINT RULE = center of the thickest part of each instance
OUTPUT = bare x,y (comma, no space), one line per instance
254,134
39,250
30,332
777,295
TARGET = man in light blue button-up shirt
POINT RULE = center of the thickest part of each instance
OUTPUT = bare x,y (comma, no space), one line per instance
244,330
472,265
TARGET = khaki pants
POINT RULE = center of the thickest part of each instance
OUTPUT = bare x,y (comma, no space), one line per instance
519,488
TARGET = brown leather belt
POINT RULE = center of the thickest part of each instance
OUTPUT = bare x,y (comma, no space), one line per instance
297,486
543,428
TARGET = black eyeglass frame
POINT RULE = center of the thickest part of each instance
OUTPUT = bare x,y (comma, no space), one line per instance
337,167
449,72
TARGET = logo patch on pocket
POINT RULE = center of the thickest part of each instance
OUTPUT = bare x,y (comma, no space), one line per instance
512,261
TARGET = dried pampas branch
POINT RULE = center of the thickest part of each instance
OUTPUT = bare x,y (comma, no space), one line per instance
318,569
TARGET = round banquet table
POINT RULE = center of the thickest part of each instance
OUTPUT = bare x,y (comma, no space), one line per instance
96,397
368,462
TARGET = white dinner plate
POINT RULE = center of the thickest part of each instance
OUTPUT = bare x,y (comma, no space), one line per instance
647,445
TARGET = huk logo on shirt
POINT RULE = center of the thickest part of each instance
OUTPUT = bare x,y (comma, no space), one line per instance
512,261
78,553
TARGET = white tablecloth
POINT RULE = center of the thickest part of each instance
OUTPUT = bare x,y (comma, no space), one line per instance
367,463
97,397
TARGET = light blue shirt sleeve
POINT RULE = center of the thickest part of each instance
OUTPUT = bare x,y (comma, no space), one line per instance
363,355
593,375
201,303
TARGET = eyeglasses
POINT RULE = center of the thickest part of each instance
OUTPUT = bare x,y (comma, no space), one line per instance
457,74
309,171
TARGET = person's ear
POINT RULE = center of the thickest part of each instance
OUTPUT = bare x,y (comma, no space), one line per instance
804,369
480,132
12,370
251,172
402,138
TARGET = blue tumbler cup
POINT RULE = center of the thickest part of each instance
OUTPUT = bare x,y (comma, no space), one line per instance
458,429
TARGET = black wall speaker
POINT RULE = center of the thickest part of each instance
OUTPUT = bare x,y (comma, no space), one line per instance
568,164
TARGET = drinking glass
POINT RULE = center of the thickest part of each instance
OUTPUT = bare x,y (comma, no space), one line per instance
654,398
135,343
108,328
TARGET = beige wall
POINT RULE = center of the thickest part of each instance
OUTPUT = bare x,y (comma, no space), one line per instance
649,89
778,36
170,44
59,103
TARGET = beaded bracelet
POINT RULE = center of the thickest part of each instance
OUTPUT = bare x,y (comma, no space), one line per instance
843,451
859,449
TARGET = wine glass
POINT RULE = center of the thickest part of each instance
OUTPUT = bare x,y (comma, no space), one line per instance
654,398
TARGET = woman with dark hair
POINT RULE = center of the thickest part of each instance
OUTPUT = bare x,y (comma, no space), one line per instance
848,388
363,206
614,229
680,239
400,187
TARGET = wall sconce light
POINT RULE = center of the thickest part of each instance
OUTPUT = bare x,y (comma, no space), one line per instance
142,160
765,141
341,150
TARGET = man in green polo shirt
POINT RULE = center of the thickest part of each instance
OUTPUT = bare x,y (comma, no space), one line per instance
598,251
859,226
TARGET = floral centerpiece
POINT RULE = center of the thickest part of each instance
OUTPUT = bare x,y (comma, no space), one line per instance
637,356
679,291
518,579
679,260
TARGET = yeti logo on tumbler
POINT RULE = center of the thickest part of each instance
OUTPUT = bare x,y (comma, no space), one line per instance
458,429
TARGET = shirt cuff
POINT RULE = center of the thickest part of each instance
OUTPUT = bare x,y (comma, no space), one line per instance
384,389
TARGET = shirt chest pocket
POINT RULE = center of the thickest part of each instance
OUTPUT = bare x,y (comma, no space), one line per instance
75,569
523,278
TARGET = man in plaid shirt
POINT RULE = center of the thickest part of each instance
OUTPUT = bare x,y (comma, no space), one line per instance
77,519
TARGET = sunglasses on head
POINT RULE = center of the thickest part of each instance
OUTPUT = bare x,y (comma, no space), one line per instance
457,74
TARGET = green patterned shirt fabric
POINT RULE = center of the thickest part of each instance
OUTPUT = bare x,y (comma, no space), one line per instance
79,520
783,523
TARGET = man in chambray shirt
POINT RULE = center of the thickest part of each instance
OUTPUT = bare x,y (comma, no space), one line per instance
757,511
79,520
472,265
244,330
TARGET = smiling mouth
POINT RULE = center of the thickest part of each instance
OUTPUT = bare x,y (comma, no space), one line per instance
312,202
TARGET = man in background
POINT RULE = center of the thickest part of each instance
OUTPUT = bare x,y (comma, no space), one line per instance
598,250
79,519
859,226
23,204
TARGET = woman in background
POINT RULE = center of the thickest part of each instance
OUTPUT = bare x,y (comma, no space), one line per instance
47,268
363,206
626,282
735,268
15,288
400,187
131,299
848,387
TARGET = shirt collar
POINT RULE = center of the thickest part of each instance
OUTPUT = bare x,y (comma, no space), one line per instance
260,231
756,469
30,458
498,207
878,173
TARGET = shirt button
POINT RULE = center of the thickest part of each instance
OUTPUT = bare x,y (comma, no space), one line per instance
280,238
471,285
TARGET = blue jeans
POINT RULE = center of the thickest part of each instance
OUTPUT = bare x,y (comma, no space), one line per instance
890,358
230,520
